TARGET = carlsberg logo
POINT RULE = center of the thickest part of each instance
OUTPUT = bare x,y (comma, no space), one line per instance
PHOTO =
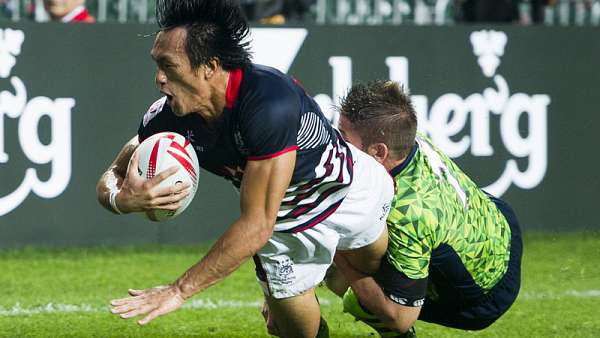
15,105
450,114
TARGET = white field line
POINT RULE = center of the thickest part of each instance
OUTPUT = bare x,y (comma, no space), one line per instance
553,295
18,310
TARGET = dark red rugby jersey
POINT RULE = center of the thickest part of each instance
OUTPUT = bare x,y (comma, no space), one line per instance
268,114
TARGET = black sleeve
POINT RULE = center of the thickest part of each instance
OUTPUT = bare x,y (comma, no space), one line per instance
270,122
398,287
157,119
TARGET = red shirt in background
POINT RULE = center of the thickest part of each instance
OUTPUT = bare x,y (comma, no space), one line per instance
79,14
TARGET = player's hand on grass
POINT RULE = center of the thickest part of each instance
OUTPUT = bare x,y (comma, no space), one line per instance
154,302
140,194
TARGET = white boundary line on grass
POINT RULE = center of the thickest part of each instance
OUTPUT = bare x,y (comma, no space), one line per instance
553,295
18,310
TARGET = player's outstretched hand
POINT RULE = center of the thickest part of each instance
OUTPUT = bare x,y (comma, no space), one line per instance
154,302
140,194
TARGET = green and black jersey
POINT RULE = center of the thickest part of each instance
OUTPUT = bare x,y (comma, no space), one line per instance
437,204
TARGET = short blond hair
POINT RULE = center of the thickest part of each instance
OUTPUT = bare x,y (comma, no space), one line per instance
382,112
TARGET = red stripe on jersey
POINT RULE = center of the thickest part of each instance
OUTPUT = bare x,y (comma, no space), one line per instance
304,209
299,211
279,153
152,163
233,87
317,220
186,164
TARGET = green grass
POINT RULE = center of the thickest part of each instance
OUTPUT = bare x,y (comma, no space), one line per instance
560,295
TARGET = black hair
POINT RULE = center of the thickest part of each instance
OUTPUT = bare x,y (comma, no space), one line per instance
216,30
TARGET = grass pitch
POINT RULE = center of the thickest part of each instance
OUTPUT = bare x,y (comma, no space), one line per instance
65,293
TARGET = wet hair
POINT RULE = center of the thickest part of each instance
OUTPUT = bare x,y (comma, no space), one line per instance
216,30
381,112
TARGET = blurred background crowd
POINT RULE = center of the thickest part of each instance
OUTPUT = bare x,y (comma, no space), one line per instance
348,12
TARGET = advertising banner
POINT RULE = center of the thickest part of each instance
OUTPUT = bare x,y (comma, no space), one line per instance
514,106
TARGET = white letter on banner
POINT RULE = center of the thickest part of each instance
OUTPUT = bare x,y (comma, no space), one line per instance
342,80
58,151
442,126
11,106
535,144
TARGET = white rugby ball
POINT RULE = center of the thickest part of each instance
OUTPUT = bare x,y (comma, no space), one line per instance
162,151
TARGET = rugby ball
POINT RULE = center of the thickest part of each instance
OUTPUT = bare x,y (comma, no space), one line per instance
162,151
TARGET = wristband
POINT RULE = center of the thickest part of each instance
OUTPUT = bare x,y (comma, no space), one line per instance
112,199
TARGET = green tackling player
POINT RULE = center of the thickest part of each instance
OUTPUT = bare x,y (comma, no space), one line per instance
454,254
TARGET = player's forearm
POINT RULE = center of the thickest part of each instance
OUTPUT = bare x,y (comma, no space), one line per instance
109,182
240,242
263,187
371,296
113,177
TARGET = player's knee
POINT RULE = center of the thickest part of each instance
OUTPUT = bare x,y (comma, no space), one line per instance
335,281
297,317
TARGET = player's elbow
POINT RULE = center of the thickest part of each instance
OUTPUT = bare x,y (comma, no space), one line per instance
399,325
269,227
266,231
399,319
263,228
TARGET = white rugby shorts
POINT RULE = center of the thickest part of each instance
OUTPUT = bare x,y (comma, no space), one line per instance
292,263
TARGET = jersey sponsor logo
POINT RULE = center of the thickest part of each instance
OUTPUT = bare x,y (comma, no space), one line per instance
399,300
239,143
284,271
404,301
189,135
15,105
419,302
385,210
154,109
445,118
